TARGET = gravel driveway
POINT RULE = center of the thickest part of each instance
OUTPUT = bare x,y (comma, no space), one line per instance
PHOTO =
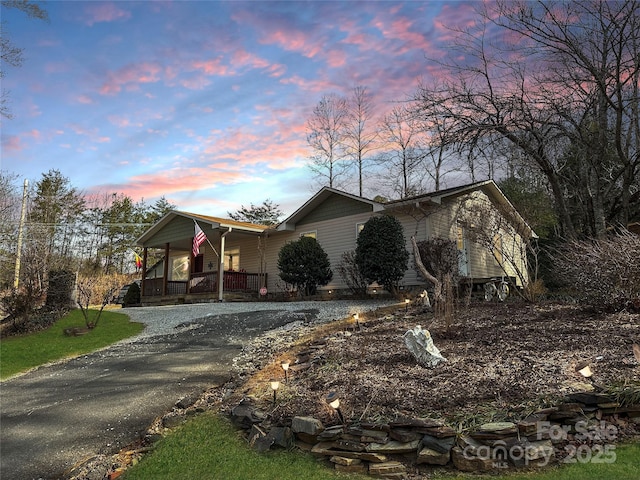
62,414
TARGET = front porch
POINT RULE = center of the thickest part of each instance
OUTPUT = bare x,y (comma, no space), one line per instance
204,257
205,283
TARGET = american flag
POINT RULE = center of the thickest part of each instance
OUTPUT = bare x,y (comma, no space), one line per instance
198,240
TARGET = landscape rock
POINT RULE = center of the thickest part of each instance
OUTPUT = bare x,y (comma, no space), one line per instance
421,346
393,447
309,425
172,421
345,461
245,414
432,457
440,445
468,463
282,437
386,468
188,401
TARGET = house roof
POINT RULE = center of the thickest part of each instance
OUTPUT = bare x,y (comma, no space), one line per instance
435,198
322,195
489,187
214,222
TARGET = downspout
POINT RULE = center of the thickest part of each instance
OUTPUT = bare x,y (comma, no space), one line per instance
221,269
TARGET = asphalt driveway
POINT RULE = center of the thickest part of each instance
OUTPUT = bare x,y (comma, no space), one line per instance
59,415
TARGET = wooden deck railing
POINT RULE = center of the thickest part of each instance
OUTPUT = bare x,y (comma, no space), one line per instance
207,282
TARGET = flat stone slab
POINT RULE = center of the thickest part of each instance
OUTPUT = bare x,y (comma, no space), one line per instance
393,447
325,449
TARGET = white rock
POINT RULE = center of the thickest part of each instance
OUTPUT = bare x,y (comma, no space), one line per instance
420,344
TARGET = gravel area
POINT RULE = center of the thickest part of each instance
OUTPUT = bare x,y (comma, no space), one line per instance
163,320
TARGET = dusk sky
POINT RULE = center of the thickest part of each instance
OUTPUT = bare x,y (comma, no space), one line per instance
203,102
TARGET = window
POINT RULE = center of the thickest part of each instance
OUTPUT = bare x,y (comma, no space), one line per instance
359,227
313,234
179,268
232,259
460,238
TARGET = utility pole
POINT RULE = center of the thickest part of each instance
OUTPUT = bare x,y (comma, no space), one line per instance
16,277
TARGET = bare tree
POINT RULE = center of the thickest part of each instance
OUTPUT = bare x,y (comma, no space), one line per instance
9,53
359,135
562,88
402,154
325,136
9,221
97,290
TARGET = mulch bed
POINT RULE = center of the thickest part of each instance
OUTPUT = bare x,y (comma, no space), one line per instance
503,360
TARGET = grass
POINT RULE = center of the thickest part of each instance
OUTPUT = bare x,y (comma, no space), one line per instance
210,448
22,353
626,466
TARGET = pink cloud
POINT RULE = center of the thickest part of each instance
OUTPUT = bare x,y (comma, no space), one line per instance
11,143
336,58
85,99
197,83
174,181
119,121
131,75
274,31
104,12
454,17
277,70
244,58
294,41
56,67
34,135
211,67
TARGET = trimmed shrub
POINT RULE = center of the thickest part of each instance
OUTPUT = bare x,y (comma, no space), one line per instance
132,297
305,265
381,254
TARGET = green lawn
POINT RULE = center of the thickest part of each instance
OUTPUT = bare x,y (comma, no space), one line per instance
626,466
208,447
19,354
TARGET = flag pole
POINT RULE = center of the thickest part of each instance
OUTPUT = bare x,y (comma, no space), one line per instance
208,241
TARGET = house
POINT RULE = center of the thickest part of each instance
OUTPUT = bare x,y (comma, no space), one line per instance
242,257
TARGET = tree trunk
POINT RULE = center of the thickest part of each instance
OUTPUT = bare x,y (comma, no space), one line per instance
437,285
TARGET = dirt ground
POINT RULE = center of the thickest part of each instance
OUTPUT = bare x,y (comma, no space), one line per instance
503,361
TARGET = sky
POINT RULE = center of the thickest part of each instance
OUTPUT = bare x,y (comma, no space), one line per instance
204,102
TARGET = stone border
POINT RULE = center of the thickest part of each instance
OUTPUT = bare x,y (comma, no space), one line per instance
585,428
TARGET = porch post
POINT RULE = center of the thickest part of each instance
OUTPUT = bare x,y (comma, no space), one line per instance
221,266
165,269
191,268
144,270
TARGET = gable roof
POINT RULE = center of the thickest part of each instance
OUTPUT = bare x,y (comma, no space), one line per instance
318,199
214,222
489,187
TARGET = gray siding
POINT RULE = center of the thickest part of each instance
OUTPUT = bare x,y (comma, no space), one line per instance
335,207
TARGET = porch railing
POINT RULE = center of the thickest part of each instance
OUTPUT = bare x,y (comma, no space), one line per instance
207,282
